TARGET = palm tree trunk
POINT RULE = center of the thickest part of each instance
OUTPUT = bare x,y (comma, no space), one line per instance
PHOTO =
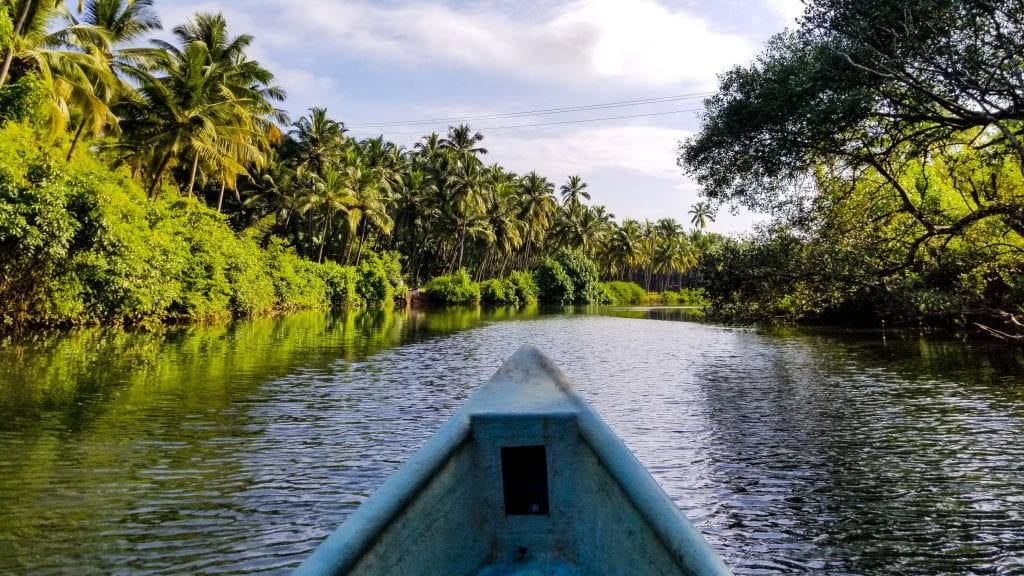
462,243
159,174
220,199
78,134
323,241
484,265
362,239
9,53
192,175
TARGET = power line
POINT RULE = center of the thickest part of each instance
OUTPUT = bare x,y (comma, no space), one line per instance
542,112
580,121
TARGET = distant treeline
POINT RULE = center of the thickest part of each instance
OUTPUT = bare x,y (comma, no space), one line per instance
151,181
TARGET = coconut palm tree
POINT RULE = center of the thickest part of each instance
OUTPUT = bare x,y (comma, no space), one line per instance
329,196
701,212
463,140
249,85
537,207
371,204
67,57
123,21
574,189
319,140
465,199
203,102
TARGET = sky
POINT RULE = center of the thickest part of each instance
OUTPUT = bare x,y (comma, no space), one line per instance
406,68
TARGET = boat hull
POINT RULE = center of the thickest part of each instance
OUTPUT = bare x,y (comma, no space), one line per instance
525,479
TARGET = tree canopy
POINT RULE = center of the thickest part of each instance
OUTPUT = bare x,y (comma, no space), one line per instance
891,128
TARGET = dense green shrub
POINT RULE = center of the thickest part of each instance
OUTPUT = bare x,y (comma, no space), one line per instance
692,297
342,284
569,277
525,287
83,245
583,273
497,292
295,279
553,285
380,278
455,288
21,100
684,297
625,292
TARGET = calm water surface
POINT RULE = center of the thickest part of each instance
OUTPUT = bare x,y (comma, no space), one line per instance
235,450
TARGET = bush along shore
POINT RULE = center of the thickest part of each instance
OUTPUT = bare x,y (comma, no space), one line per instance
144,182
151,181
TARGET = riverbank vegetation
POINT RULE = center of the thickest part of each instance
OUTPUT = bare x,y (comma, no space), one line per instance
146,181
885,137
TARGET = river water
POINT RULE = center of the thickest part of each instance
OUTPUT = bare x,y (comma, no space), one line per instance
235,450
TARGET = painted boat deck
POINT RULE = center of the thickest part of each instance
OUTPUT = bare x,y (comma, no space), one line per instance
525,479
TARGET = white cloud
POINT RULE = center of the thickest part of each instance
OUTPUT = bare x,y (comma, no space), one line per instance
634,41
638,149
788,10
641,41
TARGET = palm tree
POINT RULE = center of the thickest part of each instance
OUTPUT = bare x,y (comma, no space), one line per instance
574,189
506,229
203,101
328,196
371,203
123,22
701,212
319,140
249,85
464,187
68,57
625,249
463,140
413,211
537,207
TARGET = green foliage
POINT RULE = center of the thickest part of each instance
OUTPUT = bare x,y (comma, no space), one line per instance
84,246
342,284
455,288
525,287
6,29
380,276
684,297
498,292
569,277
897,198
295,285
625,292
20,100
554,286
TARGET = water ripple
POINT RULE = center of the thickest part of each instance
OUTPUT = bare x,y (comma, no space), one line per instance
792,455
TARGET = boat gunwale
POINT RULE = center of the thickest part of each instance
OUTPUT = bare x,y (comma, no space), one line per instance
344,547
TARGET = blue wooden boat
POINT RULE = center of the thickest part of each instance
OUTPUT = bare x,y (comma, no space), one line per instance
524,479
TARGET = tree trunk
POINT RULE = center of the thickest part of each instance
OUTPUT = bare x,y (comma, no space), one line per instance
462,243
323,241
220,199
78,134
159,174
362,239
9,53
192,175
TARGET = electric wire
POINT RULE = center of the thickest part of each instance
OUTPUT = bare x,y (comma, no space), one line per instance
578,121
542,112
